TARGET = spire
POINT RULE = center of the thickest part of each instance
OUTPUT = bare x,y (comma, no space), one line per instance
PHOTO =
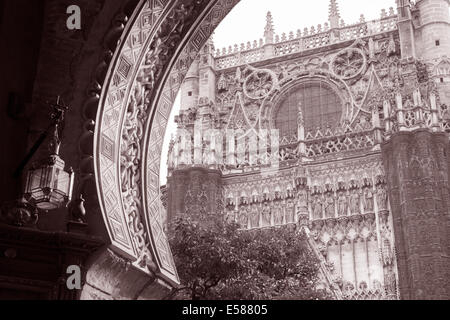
334,15
269,30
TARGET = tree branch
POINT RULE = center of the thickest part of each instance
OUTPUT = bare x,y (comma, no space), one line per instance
174,292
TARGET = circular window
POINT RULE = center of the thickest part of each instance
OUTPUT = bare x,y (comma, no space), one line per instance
320,105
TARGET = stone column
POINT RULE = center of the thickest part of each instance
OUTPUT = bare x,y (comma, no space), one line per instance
387,116
417,169
230,148
301,131
400,112
198,143
377,125
434,113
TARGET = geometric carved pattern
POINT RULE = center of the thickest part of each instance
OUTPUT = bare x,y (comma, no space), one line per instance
129,51
134,227
124,67
157,129
107,148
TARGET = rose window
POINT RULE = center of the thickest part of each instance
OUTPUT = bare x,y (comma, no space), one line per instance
321,108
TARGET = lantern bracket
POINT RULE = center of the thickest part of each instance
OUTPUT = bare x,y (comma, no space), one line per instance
57,119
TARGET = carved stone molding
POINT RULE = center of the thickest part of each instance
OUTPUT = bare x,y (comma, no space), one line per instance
132,116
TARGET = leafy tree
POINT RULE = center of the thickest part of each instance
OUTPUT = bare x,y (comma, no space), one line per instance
219,261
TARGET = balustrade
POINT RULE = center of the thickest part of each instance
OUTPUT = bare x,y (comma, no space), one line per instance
314,38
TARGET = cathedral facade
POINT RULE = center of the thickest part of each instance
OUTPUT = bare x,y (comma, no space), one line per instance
342,129
339,129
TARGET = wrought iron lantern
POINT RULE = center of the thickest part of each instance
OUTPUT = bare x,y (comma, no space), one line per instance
48,185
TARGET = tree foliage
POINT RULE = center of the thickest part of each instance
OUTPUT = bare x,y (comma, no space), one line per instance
218,261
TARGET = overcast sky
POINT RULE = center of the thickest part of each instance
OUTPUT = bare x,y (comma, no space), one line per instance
247,20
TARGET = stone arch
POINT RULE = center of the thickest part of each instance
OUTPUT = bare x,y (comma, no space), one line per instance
75,66
132,94
442,68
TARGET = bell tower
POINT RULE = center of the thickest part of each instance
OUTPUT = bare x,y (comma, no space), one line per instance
207,75
190,88
416,158
433,28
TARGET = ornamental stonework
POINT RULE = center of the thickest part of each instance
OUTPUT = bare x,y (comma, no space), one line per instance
334,178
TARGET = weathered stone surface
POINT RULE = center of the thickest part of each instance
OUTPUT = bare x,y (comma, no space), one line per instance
75,64
156,291
418,181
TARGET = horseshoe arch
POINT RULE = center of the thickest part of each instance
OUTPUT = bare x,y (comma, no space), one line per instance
157,46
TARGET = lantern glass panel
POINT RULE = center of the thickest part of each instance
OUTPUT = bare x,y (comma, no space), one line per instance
34,180
38,195
63,183
46,177
58,196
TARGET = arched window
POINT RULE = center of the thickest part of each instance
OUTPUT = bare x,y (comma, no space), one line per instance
321,107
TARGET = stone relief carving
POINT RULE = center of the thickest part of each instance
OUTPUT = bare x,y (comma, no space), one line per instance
355,202
317,207
368,200
254,218
243,217
342,204
260,83
290,212
141,219
133,133
329,206
266,215
381,198
360,285
349,63
278,214
355,86
302,202
130,159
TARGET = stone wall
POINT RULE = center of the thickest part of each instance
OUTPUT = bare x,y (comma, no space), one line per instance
196,193
418,180
111,277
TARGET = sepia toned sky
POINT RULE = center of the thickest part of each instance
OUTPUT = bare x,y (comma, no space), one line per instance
247,20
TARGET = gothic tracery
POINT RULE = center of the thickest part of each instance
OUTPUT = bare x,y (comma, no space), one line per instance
343,202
